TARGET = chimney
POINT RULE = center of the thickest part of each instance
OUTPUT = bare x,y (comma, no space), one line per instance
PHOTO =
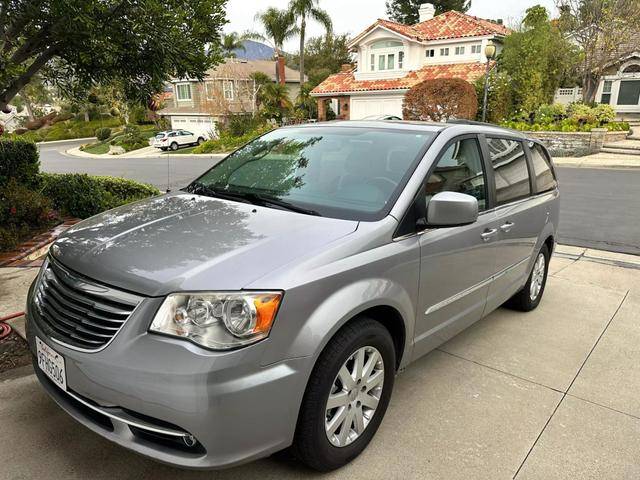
280,75
426,12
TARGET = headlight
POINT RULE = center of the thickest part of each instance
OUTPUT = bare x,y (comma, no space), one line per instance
218,320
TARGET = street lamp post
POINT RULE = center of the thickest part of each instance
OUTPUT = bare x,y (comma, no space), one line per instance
490,53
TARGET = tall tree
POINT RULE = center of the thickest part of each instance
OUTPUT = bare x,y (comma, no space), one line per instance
323,56
536,58
302,11
605,31
278,25
406,11
73,43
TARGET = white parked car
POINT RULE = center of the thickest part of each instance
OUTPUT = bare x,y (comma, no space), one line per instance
174,139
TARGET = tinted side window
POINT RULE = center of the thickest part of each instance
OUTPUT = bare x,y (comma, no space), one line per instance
460,170
510,169
545,180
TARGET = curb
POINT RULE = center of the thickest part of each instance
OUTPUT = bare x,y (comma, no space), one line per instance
53,142
23,254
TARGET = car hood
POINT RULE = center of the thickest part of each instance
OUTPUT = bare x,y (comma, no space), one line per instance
186,242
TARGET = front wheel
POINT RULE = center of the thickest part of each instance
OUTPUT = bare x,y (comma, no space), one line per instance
529,297
347,396
174,146
200,141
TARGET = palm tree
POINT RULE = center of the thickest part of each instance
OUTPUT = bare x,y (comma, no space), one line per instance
279,26
304,10
231,42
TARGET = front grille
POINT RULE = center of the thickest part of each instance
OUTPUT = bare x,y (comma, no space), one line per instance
78,312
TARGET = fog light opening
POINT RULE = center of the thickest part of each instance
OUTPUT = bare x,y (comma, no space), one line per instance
189,440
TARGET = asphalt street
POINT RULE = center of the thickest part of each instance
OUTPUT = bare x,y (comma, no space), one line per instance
166,170
599,207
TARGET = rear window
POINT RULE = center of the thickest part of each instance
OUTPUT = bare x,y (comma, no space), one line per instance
510,169
545,178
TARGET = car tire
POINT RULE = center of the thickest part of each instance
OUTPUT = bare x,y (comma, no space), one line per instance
529,297
312,444
200,141
174,146
164,149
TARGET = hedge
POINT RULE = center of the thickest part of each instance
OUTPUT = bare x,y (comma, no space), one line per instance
19,159
81,195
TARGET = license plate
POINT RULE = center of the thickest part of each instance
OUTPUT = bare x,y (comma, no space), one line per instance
51,363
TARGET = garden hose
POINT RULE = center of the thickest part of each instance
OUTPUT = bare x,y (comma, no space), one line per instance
5,329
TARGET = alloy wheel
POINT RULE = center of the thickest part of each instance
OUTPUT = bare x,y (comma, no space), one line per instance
354,396
537,277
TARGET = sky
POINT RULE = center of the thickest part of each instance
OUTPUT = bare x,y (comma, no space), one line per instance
353,16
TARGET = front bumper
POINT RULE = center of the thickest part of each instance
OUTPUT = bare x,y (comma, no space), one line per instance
146,392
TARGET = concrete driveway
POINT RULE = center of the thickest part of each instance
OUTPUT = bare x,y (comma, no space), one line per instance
554,393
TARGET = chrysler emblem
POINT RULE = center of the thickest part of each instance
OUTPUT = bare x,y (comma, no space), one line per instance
55,250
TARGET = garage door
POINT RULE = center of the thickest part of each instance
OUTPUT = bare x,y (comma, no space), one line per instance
362,107
195,124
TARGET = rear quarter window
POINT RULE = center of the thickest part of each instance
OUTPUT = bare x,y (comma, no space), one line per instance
544,175
510,169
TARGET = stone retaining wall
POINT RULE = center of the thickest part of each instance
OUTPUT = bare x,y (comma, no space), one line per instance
577,144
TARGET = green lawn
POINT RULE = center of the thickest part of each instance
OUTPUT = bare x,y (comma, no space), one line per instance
97,148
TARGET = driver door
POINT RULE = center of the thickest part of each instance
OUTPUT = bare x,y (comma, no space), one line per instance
457,263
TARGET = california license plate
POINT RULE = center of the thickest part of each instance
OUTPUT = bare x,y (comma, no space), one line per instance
51,363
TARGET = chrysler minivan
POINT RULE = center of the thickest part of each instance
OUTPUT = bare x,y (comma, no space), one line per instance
271,303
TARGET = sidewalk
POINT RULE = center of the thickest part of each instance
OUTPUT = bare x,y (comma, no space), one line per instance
554,393
600,160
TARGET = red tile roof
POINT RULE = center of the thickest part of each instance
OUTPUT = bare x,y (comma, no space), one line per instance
451,24
345,82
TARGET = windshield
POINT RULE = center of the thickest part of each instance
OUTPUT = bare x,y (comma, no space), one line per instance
345,172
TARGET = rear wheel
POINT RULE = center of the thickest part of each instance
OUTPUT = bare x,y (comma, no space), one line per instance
174,146
347,396
529,297
164,149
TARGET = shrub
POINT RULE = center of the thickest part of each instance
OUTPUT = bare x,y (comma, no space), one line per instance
81,195
19,160
238,125
22,209
20,130
440,99
547,114
103,133
604,113
226,142
132,138
581,113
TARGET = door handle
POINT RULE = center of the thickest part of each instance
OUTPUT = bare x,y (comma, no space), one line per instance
507,226
488,233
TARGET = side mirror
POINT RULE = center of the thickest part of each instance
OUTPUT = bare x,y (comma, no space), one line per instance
448,209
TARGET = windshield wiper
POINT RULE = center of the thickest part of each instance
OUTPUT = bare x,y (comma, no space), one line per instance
248,197
282,203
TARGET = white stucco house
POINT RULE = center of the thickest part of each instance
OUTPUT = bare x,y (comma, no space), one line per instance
392,57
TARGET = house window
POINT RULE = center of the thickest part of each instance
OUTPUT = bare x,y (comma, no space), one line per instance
476,48
386,52
606,92
227,89
459,50
444,52
431,52
634,68
629,93
209,88
183,91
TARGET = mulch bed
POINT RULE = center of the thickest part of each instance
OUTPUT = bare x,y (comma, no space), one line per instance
22,255
14,352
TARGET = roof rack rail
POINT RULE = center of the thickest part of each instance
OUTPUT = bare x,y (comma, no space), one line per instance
462,121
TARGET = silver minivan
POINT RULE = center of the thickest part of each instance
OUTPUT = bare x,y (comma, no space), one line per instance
271,303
